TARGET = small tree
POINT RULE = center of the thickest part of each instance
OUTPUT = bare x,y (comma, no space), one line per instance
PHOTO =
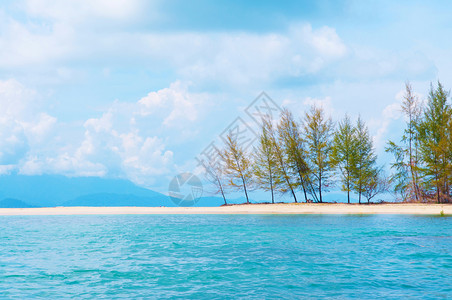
363,160
411,107
293,145
283,176
377,184
448,172
237,165
214,173
317,134
265,159
400,178
433,142
343,153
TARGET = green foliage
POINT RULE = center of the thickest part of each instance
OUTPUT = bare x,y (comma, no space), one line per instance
377,184
214,173
412,110
363,166
317,134
237,165
434,144
265,159
423,160
344,146
406,177
289,134
284,174
308,155
400,178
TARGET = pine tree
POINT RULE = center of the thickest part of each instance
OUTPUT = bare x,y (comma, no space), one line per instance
237,165
214,173
363,160
400,179
317,134
344,146
448,179
412,110
433,143
293,145
406,177
265,160
283,177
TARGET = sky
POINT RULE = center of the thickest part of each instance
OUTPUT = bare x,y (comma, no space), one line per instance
138,89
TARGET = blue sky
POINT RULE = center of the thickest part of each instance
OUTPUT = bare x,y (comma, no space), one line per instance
136,89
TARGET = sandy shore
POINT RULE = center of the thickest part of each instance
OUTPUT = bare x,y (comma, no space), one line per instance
301,208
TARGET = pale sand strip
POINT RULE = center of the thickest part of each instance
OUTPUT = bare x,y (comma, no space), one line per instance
302,208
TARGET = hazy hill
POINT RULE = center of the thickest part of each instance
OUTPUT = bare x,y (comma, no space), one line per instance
108,199
54,190
14,203
51,190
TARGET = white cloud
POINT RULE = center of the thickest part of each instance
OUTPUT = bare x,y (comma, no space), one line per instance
83,10
235,59
324,103
128,140
136,140
119,143
326,41
173,102
24,45
390,113
22,125
246,58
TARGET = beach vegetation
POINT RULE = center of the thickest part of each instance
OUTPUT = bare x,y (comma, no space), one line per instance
237,164
317,134
314,155
264,159
344,152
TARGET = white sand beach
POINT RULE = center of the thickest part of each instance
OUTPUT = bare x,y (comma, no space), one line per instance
289,208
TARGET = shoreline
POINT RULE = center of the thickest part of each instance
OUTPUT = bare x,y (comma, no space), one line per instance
279,208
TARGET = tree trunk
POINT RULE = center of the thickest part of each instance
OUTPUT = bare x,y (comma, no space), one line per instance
244,188
222,192
320,188
437,189
246,194
291,189
304,191
305,194
348,193
271,187
293,194
302,185
224,198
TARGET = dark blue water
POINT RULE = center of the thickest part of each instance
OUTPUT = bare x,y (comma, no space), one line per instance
226,256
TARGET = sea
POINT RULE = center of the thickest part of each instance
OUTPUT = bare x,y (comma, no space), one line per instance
226,257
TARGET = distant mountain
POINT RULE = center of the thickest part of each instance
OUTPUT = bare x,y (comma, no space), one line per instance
54,190
108,199
14,203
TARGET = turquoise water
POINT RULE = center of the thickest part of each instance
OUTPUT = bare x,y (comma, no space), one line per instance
225,256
